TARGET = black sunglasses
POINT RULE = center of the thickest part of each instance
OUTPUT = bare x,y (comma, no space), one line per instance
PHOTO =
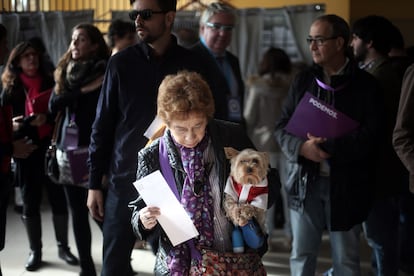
144,14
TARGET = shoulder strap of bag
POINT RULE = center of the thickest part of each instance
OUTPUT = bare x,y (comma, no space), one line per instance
166,168
58,121
166,171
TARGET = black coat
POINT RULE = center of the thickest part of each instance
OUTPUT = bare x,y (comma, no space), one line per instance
352,156
80,105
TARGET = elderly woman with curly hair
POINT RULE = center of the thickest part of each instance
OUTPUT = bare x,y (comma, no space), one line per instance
193,146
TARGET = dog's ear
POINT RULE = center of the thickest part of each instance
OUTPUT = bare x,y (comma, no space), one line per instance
230,152
266,158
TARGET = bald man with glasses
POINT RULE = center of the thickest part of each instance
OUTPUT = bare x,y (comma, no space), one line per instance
224,77
126,108
331,178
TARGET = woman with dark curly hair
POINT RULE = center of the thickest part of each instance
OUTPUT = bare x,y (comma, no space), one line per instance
26,87
8,148
78,77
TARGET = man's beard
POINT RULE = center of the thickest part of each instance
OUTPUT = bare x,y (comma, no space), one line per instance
148,39
151,38
361,54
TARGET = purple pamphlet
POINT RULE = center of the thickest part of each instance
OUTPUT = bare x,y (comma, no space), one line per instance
319,119
70,140
78,164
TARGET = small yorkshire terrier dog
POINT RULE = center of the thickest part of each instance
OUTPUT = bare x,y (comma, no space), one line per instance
246,189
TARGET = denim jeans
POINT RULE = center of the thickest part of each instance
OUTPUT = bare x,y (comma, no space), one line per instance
406,231
381,232
307,230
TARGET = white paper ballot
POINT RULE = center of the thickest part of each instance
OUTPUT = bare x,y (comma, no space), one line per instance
173,219
154,126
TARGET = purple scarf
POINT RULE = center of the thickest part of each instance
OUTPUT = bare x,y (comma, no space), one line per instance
197,199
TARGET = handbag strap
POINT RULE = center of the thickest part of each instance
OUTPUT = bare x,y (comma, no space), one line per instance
166,168
167,172
58,121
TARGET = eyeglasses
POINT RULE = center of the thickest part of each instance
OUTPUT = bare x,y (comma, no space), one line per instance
319,40
144,14
220,27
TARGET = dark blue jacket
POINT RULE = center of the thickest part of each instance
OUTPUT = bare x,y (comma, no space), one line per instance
126,107
217,81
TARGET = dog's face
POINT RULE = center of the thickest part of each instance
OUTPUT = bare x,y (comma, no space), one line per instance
249,166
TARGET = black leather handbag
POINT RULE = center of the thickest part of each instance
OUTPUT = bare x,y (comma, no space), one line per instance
51,164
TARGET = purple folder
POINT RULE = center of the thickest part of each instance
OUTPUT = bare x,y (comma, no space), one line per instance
78,164
319,119
71,138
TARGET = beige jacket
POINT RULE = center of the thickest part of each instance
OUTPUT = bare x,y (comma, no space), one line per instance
263,107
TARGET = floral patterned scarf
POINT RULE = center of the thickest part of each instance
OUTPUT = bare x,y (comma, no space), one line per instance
197,200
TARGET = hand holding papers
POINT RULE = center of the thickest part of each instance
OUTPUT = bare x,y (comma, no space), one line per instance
173,219
319,119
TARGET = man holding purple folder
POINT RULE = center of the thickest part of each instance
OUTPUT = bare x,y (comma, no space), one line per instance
330,182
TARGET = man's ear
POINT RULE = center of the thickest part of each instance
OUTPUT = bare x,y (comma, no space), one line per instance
230,152
201,30
369,44
340,41
170,17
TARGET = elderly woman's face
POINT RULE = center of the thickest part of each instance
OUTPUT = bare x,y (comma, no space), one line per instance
190,131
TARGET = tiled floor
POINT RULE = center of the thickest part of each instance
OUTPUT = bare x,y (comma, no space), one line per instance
13,257
16,250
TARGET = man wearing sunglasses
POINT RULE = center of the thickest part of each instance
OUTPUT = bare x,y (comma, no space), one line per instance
224,76
126,107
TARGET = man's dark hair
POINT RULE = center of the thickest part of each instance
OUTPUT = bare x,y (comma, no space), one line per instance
339,27
377,29
38,43
275,60
165,5
120,29
396,38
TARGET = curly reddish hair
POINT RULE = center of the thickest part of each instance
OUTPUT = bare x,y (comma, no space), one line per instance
184,93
